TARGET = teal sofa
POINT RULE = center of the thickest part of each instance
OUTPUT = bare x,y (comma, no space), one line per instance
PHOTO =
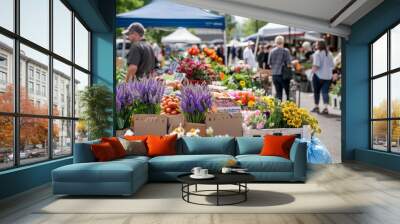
125,176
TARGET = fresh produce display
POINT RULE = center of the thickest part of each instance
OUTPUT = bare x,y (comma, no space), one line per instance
170,105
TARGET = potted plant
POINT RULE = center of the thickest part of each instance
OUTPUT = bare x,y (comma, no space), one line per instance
96,102
137,97
196,101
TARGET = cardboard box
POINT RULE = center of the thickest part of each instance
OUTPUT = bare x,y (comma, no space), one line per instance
174,121
145,124
225,123
202,127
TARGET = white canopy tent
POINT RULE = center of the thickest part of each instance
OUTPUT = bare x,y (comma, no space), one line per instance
273,29
325,16
181,35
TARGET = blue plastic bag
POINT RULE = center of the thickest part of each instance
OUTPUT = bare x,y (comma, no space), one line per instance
317,153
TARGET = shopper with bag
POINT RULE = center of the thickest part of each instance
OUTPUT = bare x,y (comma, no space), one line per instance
279,62
323,66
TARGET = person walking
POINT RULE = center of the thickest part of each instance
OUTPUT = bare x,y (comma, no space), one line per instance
278,58
141,58
323,66
248,55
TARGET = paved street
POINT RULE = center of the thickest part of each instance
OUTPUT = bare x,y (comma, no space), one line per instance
330,125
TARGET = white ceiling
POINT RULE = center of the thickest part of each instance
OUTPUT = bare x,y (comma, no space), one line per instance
314,15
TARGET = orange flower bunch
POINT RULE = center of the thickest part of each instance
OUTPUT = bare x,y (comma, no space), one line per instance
213,55
194,51
245,99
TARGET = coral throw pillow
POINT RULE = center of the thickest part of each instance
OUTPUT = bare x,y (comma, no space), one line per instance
161,145
103,152
275,145
116,145
136,138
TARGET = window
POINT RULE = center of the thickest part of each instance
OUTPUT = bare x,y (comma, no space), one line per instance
30,87
7,14
6,74
385,96
47,76
81,45
35,21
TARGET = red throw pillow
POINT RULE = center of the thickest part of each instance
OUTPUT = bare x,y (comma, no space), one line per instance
275,145
103,152
136,138
116,145
161,145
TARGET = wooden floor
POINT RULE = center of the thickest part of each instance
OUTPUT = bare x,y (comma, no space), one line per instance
378,189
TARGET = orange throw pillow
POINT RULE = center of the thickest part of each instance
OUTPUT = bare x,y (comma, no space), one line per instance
103,152
275,145
161,145
136,138
116,145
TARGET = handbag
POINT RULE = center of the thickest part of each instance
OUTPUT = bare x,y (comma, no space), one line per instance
287,73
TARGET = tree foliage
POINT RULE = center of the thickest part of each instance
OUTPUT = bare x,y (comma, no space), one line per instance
33,131
252,26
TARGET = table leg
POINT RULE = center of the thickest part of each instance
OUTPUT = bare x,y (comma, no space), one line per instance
245,193
196,187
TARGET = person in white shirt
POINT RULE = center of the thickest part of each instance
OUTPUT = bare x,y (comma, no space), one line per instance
323,66
248,56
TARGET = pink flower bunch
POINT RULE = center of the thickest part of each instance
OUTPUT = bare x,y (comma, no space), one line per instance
254,119
195,69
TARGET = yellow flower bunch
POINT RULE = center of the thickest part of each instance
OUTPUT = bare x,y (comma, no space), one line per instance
242,83
296,117
269,101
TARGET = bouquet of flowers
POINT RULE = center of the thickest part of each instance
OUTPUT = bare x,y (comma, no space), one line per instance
244,99
195,69
138,97
272,113
240,78
195,102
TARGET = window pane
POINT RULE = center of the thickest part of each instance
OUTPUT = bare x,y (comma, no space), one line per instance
81,81
62,138
395,47
379,97
81,131
379,135
395,136
33,139
6,74
62,89
379,56
395,94
35,21
81,45
7,14
6,142
34,97
62,29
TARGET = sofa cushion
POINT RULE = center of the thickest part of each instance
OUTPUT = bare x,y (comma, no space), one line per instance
103,152
275,145
116,145
161,145
185,163
208,145
134,147
249,145
257,163
112,171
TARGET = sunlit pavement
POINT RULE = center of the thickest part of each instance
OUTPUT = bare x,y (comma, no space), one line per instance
330,126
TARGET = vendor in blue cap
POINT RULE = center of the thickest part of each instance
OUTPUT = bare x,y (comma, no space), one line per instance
140,59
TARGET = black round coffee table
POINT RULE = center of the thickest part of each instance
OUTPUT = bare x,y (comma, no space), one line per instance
238,179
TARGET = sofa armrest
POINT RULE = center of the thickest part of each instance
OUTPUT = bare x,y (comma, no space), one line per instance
298,155
83,152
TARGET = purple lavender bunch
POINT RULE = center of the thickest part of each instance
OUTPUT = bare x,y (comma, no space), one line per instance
196,100
138,97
